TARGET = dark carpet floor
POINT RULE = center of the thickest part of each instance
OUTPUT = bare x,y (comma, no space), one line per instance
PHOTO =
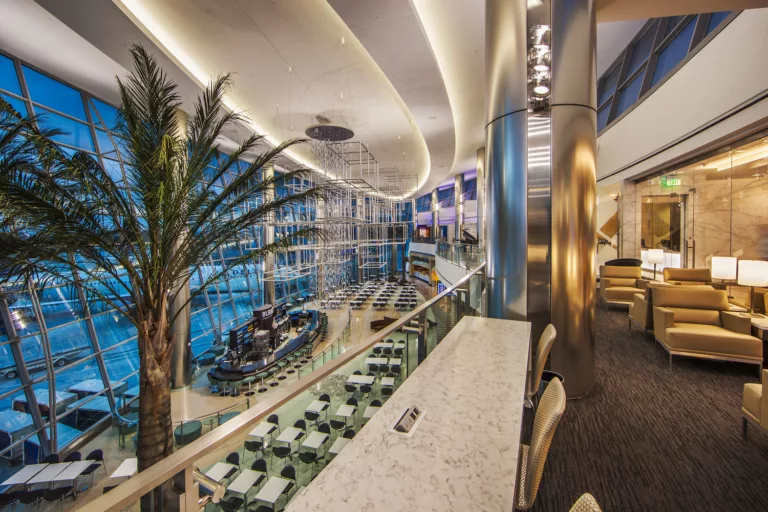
653,438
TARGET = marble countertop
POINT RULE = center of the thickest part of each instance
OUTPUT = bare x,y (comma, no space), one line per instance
463,455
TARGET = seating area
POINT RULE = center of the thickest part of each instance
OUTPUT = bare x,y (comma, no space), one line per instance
618,285
52,480
281,455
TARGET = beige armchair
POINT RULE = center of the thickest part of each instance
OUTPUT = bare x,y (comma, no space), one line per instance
688,276
618,285
641,310
697,323
760,298
754,405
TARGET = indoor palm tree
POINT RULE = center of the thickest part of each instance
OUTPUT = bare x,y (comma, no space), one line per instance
65,220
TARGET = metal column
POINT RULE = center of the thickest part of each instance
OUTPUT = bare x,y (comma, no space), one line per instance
480,197
458,206
269,238
506,165
181,355
574,121
435,205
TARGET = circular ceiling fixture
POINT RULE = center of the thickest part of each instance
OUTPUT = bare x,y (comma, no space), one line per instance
329,132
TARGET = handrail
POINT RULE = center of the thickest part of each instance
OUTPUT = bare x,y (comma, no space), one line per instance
330,346
133,489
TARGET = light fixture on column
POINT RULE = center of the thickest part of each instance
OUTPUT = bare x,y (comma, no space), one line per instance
656,257
539,62
753,273
724,268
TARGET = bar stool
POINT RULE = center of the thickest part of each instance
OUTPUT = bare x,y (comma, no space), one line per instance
272,372
261,376
290,359
281,366
249,381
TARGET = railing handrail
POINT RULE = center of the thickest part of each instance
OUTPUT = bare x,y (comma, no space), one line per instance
140,484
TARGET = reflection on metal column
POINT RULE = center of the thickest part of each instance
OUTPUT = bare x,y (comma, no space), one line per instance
458,206
480,197
269,238
435,205
574,122
506,170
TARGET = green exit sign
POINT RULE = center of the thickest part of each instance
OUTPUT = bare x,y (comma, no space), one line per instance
671,182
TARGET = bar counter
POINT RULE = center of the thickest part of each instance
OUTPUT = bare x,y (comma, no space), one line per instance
464,453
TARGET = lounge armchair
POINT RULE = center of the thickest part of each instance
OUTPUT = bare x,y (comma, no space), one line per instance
641,310
754,404
618,285
697,323
688,276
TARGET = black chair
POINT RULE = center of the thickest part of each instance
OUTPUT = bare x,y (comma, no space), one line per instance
325,397
259,465
301,425
386,393
53,458
281,452
57,494
231,503
233,458
9,498
324,428
97,456
275,420
357,372
289,473
366,390
387,351
312,417
338,425
384,368
352,402
350,388
376,403
399,352
74,457
348,434
254,447
309,458
372,368
30,497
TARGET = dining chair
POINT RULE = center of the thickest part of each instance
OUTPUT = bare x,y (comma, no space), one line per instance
348,434
231,503
234,459
73,457
546,340
253,447
301,425
273,419
386,392
289,473
534,456
585,503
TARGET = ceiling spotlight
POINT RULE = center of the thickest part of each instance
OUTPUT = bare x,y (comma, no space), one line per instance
541,90
542,68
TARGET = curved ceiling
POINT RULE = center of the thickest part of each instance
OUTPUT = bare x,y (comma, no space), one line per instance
291,61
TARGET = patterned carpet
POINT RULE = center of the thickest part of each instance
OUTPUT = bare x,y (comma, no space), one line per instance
649,438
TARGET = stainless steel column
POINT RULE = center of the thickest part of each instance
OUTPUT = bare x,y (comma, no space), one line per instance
458,206
574,121
180,308
506,169
481,197
269,238
435,215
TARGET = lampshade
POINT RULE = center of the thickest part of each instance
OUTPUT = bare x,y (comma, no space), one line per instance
753,273
655,256
724,267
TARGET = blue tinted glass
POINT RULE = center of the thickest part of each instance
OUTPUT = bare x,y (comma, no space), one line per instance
630,94
18,105
114,170
103,113
602,117
8,79
641,51
716,19
72,133
672,23
54,94
675,51
106,147
609,86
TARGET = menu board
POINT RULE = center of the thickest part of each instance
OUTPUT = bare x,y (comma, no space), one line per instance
241,334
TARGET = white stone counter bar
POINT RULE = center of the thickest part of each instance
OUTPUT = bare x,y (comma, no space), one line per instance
463,455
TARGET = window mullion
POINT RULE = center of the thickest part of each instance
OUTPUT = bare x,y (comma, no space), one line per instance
651,66
622,71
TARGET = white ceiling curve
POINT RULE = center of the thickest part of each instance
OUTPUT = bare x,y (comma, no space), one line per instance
291,60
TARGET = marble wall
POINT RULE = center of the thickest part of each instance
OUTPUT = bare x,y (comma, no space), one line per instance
629,247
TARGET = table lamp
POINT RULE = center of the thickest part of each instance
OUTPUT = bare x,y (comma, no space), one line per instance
753,273
724,268
655,256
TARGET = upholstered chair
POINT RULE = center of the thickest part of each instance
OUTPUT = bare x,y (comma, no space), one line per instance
586,503
688,276
641,310
533,456
618,285
754,404
696,322
546,341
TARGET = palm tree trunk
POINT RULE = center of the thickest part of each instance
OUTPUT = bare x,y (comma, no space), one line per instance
155,436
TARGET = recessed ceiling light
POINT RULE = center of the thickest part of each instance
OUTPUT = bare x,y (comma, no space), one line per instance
541,90
541,67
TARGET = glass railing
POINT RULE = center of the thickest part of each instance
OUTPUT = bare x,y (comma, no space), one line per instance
333,350
464,255
423,239
291,435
